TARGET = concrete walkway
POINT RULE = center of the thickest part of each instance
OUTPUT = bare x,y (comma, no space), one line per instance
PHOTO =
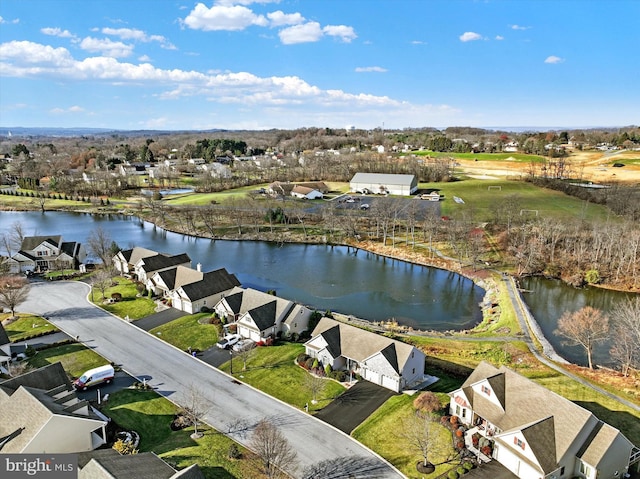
233,408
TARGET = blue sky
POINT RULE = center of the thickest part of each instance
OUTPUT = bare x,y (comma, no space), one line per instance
243,64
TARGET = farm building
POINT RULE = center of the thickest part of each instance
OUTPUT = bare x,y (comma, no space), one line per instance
380,183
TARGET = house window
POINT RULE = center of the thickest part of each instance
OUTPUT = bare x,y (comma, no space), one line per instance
584,469
486,390
457,410
518,442
464,413
562,471
413,371
42,253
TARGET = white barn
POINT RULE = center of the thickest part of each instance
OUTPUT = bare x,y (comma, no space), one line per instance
382,183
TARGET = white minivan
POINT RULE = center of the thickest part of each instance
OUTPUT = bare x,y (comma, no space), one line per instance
99,375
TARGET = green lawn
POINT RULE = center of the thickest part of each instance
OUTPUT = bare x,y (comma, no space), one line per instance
188,332
130,305
273,371
519,157
206,198
75,358
26,327
382,432
479,199
150,415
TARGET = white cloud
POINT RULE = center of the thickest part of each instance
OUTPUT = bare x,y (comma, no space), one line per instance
57,32
137,35
62,111
499,37
14,21
553,59
470,37
280,19
144,58
243,2
519,27
345,33
221,17
106,47
370,69
305,33
418,42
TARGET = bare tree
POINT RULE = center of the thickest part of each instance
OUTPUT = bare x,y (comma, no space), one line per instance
585,328
420,433
315,385
194,408
274,454
626,331
14,291
101,280
101,245
246,354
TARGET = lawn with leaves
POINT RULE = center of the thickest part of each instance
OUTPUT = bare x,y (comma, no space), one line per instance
130,305
383,433
150,415
188,332
27,326
273,371
75,358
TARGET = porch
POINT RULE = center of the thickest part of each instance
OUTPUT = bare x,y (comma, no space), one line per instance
479,441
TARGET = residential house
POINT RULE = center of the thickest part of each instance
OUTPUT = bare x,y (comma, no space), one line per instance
41,413
305,192
259,315
145,267
204,293
381,360
163,283
41,253
216,170
109,464
382,183
125,260
536,433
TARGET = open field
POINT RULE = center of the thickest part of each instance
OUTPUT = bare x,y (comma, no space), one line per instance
507,157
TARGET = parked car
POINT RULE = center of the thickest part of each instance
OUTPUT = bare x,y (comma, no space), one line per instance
228,341
365,206
243,345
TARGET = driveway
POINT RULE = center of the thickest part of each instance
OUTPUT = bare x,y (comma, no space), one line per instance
355,405
234,408
158,319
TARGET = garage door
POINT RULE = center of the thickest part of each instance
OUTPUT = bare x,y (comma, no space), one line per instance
372,376
390,383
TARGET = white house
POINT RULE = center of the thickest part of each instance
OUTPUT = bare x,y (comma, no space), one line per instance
536,433
47,252
145,267
381,360
259,315
305,192
191,297
41,413
382,183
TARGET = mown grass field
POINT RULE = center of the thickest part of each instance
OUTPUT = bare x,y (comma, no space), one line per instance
519,157
207,198
75,358
130,305
150,415
187,332
273,371
27,326
479,200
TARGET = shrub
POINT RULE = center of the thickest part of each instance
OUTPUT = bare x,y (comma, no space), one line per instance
302,357
454,420
124,447
339,375
461,471
486,450
205,309
592,276
116,296
468,465
316,364
452,475
295,337
328,369
459,432
308,364
234,452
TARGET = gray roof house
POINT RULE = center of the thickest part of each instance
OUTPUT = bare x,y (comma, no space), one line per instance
536,433
206,292
166,281
125,260
382,183
109,464
378,359
41,413
146,267
43,253
259,315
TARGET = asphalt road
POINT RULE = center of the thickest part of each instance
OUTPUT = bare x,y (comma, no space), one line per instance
234,408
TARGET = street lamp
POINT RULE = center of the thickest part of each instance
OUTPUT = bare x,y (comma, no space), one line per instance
231,360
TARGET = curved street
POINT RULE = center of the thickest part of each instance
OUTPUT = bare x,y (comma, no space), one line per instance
234,408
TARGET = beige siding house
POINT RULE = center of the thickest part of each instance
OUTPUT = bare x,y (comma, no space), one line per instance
392,364
536,433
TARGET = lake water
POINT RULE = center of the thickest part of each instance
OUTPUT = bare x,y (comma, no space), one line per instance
361,284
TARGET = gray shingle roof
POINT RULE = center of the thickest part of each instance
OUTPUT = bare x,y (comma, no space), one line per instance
109,464
264,316
158,262
31,242
4,337
132,256
213,282
46,378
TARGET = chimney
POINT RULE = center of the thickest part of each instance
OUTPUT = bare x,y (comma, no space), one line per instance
199,267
